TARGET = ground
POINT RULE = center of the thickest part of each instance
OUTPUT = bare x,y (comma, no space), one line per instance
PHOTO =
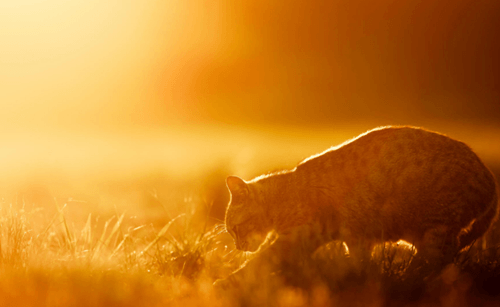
159,240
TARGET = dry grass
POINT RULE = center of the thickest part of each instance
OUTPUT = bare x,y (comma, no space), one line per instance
116,263
165,246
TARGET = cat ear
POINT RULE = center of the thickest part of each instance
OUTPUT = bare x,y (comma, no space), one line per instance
236,185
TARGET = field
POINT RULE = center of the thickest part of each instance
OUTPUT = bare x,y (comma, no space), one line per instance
145,227
121,120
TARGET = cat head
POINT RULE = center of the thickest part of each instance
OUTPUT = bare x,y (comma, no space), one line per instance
246,218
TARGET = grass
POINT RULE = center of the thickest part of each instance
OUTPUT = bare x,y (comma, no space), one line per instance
51,262
112,264
147,247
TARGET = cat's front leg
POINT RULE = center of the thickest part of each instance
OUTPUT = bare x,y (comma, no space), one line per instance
266,261
288,251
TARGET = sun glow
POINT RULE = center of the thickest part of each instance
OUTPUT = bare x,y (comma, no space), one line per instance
82,63
116,117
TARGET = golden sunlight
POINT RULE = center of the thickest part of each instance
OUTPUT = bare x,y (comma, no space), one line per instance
74,63
121,120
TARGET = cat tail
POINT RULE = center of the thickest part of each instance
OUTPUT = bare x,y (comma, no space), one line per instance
480,225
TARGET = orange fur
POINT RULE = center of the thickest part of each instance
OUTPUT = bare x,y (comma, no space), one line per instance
388,184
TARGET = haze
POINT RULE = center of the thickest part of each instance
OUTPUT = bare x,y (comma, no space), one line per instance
119,88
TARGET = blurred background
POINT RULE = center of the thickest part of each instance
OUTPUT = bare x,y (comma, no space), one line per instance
145,106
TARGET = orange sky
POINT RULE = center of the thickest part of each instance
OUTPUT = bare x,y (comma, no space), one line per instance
81,65
97,91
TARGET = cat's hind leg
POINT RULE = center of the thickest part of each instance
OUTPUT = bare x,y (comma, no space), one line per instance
359,251
436,249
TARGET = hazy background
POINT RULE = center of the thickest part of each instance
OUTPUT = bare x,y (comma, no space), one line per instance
115,102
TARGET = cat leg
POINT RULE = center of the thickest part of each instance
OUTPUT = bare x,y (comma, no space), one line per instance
437,248
290,251
282,253
360,250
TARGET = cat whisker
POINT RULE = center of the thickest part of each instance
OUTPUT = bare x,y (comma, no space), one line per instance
218,233
220,228
235,253
218,220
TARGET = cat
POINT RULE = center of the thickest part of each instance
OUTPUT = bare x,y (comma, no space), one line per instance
388,184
